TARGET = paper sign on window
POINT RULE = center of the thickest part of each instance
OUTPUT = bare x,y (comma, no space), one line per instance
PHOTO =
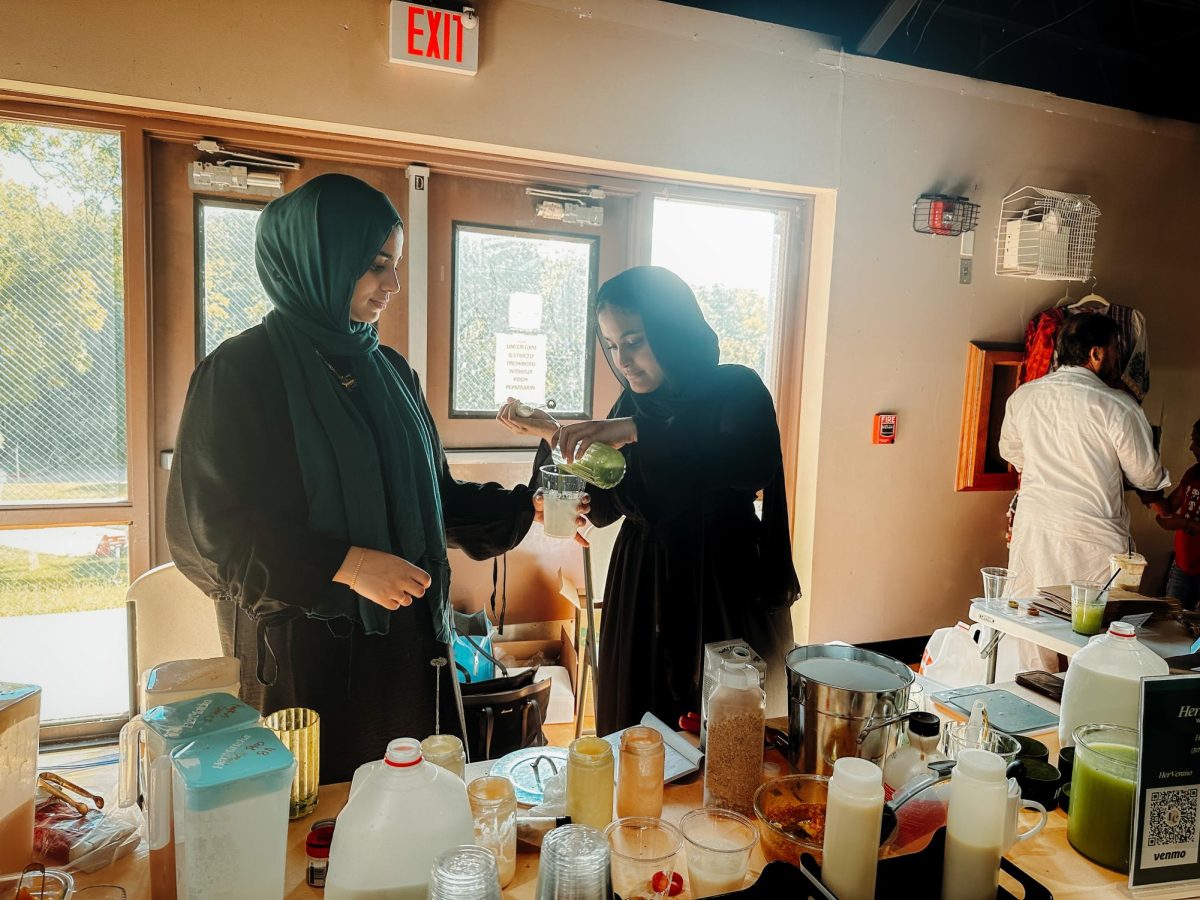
521,368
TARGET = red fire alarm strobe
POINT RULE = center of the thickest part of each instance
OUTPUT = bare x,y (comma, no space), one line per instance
885,429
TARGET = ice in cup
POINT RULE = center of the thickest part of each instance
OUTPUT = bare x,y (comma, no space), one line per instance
561,495
1128,568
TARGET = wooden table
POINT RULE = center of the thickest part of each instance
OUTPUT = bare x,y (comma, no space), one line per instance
1048,857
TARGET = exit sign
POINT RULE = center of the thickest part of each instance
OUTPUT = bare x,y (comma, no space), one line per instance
434,38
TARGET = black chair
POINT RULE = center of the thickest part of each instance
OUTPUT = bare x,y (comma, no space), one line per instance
505,714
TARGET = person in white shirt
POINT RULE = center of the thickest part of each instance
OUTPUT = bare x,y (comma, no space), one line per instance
1076,441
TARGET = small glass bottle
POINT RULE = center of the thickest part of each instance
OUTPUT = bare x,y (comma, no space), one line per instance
447,751
736,727
316,849
494,807
640,776
590,782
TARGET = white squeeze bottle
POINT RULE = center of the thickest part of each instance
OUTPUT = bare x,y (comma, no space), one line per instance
853,818
975,826
402,814
1104,681
911,760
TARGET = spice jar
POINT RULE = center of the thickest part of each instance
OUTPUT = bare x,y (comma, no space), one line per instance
494,808
590,782
316,848
447,751
640,776
736,726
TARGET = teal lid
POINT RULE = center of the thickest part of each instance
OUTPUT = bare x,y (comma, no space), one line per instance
230,766
11,693
190,719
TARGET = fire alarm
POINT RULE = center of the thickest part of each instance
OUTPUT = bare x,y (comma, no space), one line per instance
885,429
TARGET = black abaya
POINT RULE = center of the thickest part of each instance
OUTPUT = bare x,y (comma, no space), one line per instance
237,518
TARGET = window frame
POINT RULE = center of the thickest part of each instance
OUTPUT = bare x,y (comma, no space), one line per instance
135,511
200,201
593,242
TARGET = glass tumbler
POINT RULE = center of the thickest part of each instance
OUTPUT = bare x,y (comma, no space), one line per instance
445,750
643,856
574,865
640,775
1103,791
464,873
494,807
299,730
960,736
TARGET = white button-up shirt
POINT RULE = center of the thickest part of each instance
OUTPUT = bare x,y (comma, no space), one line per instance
1074,440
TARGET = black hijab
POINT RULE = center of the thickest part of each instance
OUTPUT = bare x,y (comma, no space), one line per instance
688,351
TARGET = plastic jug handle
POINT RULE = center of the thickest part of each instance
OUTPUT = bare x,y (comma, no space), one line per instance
159,810
129,744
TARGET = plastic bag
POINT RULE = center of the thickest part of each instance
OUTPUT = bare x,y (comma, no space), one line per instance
474,659
87,843
952,656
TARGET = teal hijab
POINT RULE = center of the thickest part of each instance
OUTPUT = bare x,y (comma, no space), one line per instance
311,247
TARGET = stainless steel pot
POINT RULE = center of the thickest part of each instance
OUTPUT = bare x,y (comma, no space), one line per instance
825,720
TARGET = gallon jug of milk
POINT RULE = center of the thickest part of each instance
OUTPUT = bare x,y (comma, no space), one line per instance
1103,684
403,812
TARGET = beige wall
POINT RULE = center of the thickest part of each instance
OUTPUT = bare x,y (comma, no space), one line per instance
887,548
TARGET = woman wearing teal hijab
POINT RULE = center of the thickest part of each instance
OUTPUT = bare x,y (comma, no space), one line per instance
309,493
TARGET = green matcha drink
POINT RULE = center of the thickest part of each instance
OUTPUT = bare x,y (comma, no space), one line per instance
1103,787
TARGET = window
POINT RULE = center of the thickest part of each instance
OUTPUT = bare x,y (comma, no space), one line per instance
522,312
65,486
733,258
229,296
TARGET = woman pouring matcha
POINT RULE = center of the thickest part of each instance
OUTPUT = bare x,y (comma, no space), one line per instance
310,495
693,563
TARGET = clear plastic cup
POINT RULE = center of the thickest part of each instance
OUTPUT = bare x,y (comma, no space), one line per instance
1088,599
561,493
464,873
718,843
575,865
643,856
961,736
1128,567
996,581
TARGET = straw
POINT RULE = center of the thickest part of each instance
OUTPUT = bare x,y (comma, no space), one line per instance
1111,579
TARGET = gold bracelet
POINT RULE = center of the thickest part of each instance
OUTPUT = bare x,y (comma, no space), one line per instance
362,554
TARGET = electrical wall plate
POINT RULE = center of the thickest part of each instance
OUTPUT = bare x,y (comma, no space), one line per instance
964,271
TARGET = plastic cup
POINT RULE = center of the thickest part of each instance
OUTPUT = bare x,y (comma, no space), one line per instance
643,856
718,843
464,873
996,581
960,736
574,864
299,730
561,493
1088,599
1128,568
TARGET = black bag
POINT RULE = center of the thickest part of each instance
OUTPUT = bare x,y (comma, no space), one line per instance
505,714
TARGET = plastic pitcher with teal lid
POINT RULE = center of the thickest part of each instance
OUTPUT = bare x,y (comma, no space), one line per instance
231,793
145,767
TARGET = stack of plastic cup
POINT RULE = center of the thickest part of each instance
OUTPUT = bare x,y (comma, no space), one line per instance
574,865
464,873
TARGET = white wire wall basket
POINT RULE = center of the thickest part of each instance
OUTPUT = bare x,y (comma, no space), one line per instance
1046,235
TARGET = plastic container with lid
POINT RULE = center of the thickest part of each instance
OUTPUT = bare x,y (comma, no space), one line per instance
403,812
231,791
975,826
1103,683
20,715
734,751
182,679
447,751
145,768
853,819
911,760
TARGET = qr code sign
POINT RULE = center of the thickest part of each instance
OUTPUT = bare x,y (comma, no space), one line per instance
1170,837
